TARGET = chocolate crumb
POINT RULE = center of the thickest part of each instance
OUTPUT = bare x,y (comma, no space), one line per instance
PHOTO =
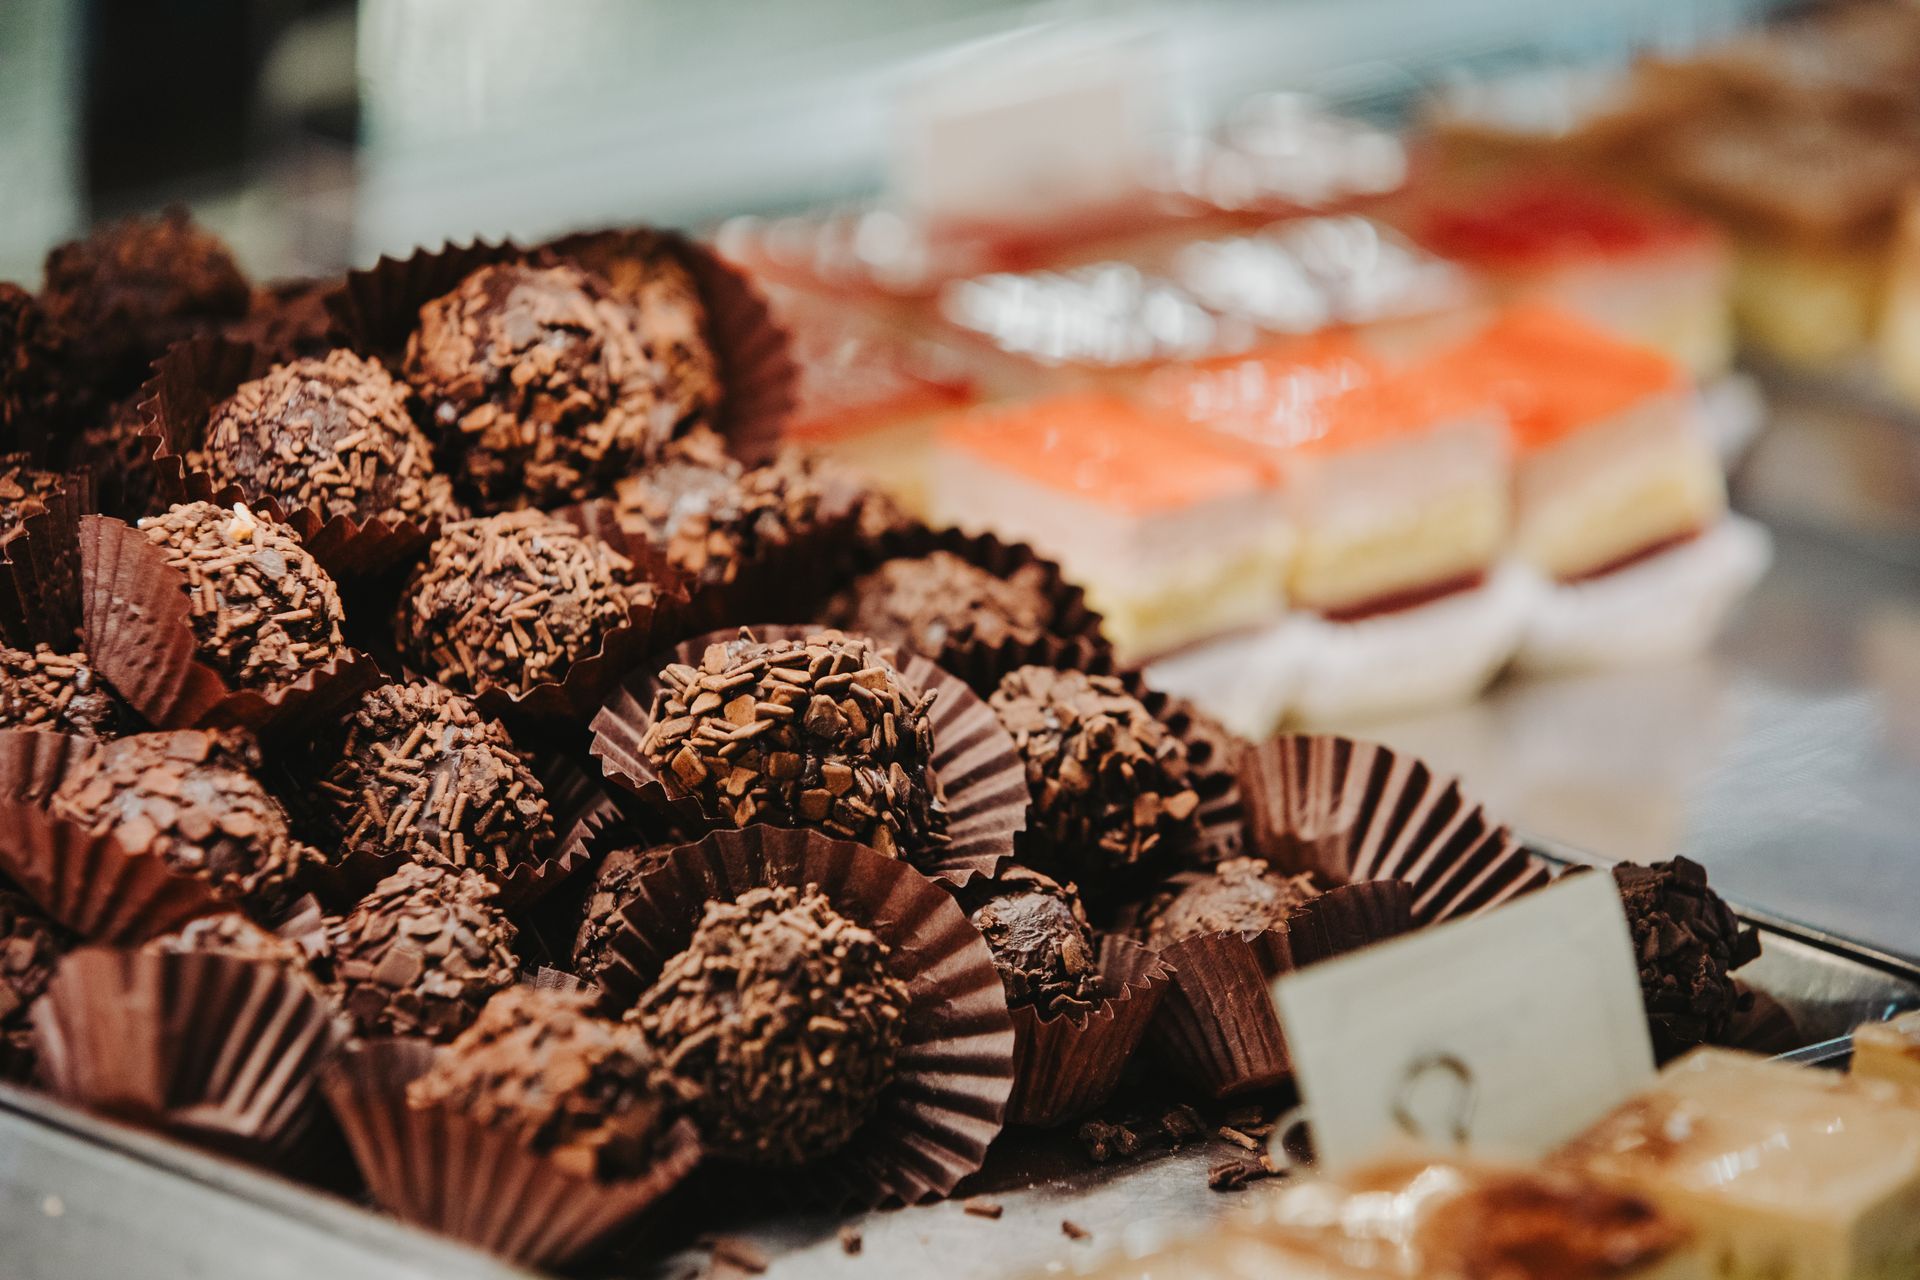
1073,1230
737,1252
1232,1175
851,1241
1182,1125
1104,1141
981,1207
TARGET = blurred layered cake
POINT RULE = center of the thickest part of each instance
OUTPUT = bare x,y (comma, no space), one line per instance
1175,538
1785,1172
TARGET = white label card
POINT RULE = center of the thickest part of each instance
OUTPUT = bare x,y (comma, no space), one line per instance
1505,1034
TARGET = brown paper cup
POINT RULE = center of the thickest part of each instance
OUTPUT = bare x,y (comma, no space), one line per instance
1068,1065
92,883
40,571
955,1074
757,370
217,1049
1073,642
438,1168
979,768
139,637
1216,1023
175,405
34,762
1353,811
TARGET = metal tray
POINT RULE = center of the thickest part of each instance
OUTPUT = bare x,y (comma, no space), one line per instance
82,1198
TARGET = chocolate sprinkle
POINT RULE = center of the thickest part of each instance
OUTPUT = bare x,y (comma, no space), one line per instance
1111,785
46,689
782,1024
264,611
189,797
419,773
1241,895
333,434
422,954
513,601
924,603
538,384
822,732
1041,942
577,1087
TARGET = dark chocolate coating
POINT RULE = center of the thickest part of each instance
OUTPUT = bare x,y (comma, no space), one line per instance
537,385
263,610
1241,895
513,600
133,288
333,434
1688,942
46,689
190,798
422,953
923,603
538,1062
781,1023
419,773
1040,940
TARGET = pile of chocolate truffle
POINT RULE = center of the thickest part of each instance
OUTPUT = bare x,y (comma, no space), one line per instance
472,760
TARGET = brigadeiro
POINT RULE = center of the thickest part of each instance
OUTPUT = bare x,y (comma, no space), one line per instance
288,319
1688,941
47,689
780,1022
1241,895
228,933
263,611
1040,940
708,514
332,433
188,797
512,601
820,732
131,289
1112,788
923,603
422,953
418,773
615,881
537,383
576,1087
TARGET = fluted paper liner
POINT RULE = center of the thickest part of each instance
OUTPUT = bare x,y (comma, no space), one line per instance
948,1100
34,762
40,570
757,371
1073,642
1216,1023
214,1048
1068,1064
175,405
1353,811
975,759
140,637
437,1167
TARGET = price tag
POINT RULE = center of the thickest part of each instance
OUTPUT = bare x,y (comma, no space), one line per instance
1028,128
1504,1034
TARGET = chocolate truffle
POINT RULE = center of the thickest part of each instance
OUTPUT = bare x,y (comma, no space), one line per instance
1241,895
47,689
578,1087
132,289
188,797
422,953
513,601
781,1022
1040,941
614,882
537,383
36,389
288,319
119,453
419,773
263,610
230,934
1688,941
1112,787
708,514
822,732
333,434
646,274
925,603
30,949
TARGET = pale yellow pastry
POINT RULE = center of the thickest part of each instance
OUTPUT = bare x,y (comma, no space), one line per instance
1786,1172
1889,1050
